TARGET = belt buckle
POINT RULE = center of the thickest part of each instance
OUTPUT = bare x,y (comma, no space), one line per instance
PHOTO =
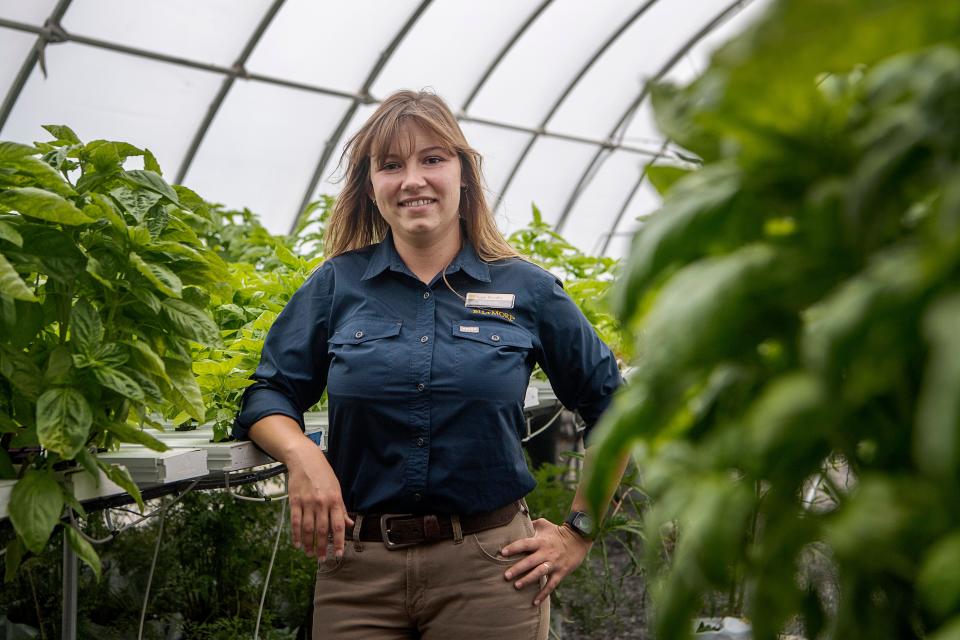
385,531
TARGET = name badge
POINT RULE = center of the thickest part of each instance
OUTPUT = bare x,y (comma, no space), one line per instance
491,300
464,329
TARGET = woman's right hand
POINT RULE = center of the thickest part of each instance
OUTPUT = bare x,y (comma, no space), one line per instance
316,505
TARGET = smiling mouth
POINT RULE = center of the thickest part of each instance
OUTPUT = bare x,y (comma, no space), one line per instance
419,202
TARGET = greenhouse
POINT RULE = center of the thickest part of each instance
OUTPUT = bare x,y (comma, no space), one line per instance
425,318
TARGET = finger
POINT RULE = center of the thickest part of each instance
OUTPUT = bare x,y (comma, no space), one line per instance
534,575
296,516
521,545
523,566
308,528
337,517
323,526
547,589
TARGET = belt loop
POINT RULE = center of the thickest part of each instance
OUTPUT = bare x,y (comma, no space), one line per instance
457,529
357,526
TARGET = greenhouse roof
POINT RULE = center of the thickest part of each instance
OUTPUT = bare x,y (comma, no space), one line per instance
250,103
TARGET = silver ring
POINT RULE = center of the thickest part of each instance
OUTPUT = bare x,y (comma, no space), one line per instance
547,567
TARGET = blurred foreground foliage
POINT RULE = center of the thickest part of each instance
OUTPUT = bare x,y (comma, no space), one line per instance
797,299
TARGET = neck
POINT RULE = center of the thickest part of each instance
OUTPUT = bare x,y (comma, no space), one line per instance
428,259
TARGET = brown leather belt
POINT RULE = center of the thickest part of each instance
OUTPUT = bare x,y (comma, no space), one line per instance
397,530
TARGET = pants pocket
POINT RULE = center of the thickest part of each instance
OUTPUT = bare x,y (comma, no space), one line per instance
489,543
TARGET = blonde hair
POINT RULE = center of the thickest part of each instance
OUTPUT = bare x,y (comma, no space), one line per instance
355,221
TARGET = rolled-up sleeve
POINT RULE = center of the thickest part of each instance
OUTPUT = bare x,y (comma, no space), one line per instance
292,373
582,369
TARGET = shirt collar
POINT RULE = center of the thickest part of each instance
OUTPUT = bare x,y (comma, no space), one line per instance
385,257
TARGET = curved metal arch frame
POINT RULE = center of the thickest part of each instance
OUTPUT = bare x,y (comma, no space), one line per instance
596,162
225,87
49,33
612,38
363,96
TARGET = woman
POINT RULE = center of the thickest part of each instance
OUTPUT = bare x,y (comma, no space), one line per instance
423,325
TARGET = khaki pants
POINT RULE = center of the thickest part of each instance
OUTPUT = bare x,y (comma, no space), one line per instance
437,591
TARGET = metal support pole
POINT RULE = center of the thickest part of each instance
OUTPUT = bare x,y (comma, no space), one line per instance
68,628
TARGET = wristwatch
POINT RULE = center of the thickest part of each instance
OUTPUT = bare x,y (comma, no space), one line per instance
581,523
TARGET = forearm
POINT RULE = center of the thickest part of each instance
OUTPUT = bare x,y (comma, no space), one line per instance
589,462
280,436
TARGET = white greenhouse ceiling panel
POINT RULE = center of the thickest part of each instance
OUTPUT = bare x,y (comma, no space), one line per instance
601,201
538,67
500,148
101,94
14,47
546,179
261,150
212,31
329,44
603,96
331,180
449,49
34,12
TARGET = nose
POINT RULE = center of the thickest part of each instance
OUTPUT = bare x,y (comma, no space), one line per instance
413,179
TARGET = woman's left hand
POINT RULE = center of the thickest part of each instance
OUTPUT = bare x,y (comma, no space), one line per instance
555,551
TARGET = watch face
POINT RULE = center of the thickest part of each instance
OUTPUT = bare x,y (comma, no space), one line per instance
584,523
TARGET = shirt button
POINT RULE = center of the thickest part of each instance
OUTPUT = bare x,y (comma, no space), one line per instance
358,335
421,387
494,337
424,338
426,295
417,497
421,442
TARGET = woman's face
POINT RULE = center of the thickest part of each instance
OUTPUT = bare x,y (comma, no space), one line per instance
417,187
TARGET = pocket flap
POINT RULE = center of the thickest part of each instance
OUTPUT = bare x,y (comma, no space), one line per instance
361,330
492,333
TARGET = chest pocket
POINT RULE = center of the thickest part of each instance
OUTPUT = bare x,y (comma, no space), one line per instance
492,357
363,353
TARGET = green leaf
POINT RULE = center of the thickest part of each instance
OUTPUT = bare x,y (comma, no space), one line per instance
89,462
937,434
27,171
128,433
11,284
62,133
85,326
192,322
186,390
689,221
7,471
84,550
119,382
135,202
153,182
121,477
63,421
10,234
36,504
12,558
13,151
22,372
663,177
38,203
108,211
148,298
147,359
59,365
939,580
163,279
150,162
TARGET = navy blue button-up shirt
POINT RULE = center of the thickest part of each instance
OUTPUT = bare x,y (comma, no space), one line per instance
426,394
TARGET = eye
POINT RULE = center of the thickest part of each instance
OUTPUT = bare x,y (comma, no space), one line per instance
434,160
389,166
